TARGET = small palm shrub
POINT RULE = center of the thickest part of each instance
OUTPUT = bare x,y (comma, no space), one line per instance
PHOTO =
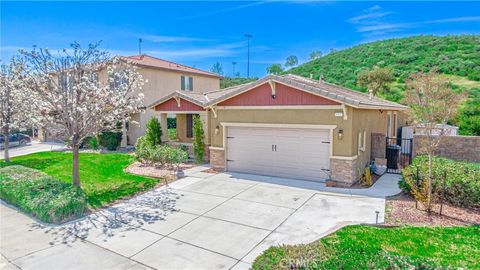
41,195
198,139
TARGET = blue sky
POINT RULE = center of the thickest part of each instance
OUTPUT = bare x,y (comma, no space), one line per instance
201,33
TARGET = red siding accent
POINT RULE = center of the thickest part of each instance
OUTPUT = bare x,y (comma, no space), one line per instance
171,106
285,95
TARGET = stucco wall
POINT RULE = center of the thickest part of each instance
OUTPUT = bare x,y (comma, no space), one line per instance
466,148
287,116
161,83
182,128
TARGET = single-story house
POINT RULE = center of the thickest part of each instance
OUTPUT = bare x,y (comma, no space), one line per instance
286,126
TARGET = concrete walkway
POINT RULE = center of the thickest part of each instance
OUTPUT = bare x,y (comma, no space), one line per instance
34,147
203,221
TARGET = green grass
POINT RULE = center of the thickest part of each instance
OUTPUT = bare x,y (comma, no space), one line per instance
102,176
365,247
41,195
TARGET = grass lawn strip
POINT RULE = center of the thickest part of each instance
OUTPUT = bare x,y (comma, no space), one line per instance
102,176
365,247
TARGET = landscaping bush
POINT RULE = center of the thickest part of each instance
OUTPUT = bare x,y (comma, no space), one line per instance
160,155
110,140
462,184
153,133
41,195
89,143
198,139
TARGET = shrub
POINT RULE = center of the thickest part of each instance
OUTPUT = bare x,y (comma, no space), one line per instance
462,185
198,139
153,133
41,195
110,140
90,143
160,155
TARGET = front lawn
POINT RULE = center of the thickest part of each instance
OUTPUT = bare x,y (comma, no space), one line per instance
365,247
102,176
41,195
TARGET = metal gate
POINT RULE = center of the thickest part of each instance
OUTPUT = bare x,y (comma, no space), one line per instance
398,153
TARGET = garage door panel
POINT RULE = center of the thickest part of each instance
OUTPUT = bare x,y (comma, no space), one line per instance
300,153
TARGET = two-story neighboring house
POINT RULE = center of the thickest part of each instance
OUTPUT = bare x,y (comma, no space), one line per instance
165,77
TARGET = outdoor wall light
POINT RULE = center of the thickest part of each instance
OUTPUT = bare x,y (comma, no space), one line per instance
340,134
274,96
217,130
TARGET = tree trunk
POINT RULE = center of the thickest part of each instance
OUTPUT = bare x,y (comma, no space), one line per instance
430,180
6,143
75,167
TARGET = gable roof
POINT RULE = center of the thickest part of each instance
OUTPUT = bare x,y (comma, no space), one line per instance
150,61
331,91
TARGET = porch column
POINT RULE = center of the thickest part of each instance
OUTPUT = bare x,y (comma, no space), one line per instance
164,126
124,134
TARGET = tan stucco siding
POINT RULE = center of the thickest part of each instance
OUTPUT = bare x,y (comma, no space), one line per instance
366,122
287,116
160,83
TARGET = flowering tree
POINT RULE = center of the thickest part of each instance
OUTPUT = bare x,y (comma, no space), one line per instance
82,91
432,101
14,109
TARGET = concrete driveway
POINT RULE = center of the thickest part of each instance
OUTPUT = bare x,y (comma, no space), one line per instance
31,148
203,221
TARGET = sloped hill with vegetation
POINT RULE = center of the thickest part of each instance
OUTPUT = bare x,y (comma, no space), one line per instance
453,55
456,57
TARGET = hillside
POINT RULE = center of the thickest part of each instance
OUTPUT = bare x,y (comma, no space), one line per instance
457,57
454,55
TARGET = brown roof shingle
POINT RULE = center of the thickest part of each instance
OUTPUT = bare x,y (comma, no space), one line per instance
150,61
331,91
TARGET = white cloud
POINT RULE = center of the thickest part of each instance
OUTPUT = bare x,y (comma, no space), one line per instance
219,11
457,19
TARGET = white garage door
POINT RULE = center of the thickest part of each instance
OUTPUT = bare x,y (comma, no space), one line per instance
284,152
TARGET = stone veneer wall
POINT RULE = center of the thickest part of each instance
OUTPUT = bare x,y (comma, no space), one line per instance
466,148
378,145
217,158
343,171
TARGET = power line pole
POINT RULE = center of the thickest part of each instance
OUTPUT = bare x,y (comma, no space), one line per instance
248,36
139,46
233,64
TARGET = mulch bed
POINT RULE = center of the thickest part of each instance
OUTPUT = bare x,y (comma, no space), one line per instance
211,170
401,211
153,171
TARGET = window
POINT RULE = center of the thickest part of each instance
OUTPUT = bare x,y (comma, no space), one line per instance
189,125
186,83
65,82
362,141
389,128
119,80
394,131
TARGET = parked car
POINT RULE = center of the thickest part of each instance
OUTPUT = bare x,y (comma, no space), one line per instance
15,139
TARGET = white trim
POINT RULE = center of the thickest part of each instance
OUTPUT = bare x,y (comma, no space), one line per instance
234,124
280,107
344,157
216,148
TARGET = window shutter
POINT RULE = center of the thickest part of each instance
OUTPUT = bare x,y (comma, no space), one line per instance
190,83
182,82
